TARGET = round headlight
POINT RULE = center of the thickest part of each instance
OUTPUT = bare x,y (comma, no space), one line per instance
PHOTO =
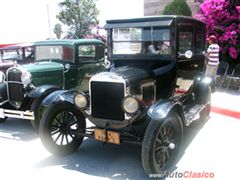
26,78
130,105
81,101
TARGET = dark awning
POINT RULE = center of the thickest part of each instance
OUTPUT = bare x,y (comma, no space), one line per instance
138,24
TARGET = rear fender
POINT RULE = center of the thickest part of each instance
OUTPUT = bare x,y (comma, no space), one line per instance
160,110
201,88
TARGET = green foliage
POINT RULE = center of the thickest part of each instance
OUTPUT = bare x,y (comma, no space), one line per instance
58,30
78,15
177,7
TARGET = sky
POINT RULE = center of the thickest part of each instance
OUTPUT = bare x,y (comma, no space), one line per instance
33,20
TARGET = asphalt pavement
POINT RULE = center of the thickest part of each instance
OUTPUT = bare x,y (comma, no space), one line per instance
211,151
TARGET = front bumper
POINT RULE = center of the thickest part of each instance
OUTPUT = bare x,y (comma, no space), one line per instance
16,114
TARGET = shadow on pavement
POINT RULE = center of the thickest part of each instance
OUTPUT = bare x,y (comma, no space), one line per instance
111,161
17,129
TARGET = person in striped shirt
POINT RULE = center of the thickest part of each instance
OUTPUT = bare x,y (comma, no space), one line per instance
212,57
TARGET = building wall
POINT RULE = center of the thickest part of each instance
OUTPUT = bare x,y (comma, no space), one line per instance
156,7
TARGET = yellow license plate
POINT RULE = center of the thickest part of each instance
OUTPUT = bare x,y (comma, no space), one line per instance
107,136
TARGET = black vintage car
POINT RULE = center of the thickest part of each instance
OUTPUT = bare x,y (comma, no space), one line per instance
155,86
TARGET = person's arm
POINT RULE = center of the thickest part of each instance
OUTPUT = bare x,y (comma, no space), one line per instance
152,49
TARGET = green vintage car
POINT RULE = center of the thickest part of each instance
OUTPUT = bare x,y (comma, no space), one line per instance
59,64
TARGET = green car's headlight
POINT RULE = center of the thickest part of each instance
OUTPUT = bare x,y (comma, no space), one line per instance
130,105
81,101
26,78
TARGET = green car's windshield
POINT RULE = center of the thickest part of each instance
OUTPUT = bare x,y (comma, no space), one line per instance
147,40
62,53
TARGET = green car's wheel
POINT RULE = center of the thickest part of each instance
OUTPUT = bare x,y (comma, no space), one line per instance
38,112
161,144
2,120
60,127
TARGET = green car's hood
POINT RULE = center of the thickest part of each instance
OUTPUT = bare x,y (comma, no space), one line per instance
46,73
43,66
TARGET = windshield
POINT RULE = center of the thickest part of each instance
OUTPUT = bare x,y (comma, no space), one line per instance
62,53
147,40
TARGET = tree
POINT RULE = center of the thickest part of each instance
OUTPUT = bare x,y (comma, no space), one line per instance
177,7
79,16
58,30
222,19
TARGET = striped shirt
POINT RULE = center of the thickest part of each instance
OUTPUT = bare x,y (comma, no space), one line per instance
213,58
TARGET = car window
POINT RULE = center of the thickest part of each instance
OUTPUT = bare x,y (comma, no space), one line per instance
185,41
54,52
11,55
147,40
200,39
86,53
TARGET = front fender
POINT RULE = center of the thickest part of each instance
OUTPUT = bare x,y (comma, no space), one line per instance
161,109
60,95
42,91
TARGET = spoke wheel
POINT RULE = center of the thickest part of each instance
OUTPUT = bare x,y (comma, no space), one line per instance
161,145
60,127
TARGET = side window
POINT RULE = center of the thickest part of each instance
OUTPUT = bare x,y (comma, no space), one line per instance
185,41
185,36
200,39
86,53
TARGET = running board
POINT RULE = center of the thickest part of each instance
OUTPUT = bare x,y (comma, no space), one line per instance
193,114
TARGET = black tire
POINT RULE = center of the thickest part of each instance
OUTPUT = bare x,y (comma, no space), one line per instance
38,110
162,144
204,114
2,120
60,127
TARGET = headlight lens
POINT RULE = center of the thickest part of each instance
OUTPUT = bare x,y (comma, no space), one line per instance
26,78
130,105
81,101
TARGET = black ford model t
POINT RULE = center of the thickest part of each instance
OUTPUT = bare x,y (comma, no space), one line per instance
154,87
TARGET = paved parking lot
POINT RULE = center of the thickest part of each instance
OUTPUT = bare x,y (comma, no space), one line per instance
211,147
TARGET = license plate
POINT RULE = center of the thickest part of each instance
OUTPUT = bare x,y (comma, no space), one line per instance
107,136
2,115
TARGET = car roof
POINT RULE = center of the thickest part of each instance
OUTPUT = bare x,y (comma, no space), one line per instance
16,46
164,20
68,42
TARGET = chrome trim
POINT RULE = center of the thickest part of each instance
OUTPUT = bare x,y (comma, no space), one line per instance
16,82
16,114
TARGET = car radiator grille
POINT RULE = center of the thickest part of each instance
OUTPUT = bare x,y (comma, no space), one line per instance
106,99
15,86
149,92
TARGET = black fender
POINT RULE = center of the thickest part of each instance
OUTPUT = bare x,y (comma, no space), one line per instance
160,110
60,95
201,88
43,90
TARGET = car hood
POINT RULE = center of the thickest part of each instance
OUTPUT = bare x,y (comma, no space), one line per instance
44,66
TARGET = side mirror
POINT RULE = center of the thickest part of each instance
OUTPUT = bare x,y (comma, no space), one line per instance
67,67
188,54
